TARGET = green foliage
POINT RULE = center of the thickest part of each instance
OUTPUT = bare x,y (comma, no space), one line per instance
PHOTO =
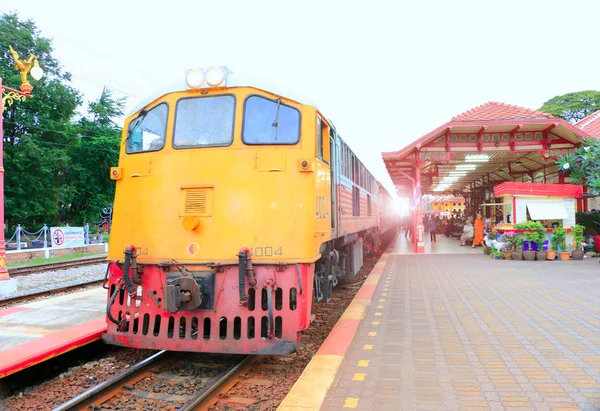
558,239
519,242
588,221
536,232
583,166
573,107
577,231
57,166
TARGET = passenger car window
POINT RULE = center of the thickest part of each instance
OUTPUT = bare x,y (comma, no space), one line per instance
204,121
270,122
147,131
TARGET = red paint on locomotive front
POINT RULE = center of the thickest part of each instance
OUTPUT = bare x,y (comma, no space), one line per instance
227,326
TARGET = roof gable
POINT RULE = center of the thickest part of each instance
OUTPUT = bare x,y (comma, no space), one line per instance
591,124
492,111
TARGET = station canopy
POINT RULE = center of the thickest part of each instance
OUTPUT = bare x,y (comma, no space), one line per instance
484,146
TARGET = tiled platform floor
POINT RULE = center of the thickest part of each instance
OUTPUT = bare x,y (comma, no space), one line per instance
462,332
443,245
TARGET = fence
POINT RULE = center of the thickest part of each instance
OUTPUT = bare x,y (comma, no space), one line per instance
43,238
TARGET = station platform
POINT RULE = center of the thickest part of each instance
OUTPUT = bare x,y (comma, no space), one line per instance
450,331
35,332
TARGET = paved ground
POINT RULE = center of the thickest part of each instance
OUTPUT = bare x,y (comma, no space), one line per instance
450,332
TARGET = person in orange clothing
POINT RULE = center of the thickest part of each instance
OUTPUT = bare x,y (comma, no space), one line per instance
478,238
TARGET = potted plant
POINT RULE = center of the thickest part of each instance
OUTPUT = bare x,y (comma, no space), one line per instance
558,241
532,237
578,251
552,250
540,232
509,239
517,254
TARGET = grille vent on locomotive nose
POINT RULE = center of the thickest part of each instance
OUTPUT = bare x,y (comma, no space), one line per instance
196,201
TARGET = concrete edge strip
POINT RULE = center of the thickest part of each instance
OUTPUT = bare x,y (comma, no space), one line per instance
34,352
309,392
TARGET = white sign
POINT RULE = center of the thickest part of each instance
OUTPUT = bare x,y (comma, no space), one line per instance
65,237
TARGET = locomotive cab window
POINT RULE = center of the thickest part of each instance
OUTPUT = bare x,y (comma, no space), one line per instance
204,122
148,130
270,122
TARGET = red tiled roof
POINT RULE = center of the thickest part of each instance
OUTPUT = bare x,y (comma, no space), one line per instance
591,124
499,111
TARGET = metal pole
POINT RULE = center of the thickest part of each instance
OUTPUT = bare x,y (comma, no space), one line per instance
18,234
7,285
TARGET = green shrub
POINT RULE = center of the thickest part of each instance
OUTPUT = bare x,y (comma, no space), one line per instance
558,239
577,236
588,221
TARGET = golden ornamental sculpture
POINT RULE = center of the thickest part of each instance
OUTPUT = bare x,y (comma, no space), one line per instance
24,67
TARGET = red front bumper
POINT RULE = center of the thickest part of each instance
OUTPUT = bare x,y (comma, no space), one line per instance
226,327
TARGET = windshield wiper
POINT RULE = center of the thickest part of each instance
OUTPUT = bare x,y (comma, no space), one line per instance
136,122
276,122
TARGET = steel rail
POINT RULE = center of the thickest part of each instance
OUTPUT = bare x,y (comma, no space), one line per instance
82,400
208,391
18,298
96,396
17,271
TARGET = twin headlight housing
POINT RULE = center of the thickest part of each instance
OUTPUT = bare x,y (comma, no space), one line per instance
207,77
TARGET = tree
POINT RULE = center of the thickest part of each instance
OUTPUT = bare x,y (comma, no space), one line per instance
97,150
57,164
573,107
37,131
583,166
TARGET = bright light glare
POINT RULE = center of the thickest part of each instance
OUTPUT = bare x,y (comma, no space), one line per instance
194,78
477,158
466,166
215,76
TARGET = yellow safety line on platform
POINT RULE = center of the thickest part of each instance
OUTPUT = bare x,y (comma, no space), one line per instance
309,392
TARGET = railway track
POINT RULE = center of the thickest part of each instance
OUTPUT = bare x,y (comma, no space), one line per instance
14,272
166,380
13,300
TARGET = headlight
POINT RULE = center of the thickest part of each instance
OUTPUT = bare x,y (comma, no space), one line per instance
194,78
215,76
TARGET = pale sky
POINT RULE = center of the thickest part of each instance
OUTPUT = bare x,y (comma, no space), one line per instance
385,72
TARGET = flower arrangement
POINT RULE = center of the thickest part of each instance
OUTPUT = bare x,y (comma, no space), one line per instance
511,238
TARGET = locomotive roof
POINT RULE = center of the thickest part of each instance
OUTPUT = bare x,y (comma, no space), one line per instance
233,80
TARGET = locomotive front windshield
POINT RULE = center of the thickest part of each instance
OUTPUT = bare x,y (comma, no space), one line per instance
204,122
209,121
147,132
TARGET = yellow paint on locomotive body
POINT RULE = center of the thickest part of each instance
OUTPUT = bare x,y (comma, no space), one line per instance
204,204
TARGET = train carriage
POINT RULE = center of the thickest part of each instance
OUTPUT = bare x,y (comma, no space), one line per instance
237,206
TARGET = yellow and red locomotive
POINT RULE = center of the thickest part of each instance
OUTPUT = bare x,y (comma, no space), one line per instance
237,206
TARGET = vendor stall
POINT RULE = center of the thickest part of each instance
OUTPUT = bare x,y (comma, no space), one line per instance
550,204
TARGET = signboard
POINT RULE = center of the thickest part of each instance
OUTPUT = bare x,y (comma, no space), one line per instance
65,237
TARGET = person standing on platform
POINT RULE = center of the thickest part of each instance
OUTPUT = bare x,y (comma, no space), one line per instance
433,226
478,238
409,224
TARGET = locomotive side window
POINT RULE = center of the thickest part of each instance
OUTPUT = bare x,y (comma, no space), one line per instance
204,122
319,137
323,149
147,132
270,122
